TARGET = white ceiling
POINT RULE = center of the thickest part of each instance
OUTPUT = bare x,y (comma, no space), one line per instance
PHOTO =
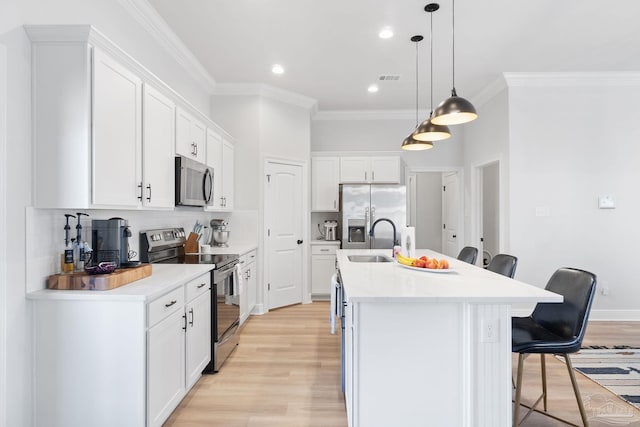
331,51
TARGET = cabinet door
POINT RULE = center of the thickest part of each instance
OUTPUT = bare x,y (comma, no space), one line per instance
355,170
157,149
322,268
228,159
190,136
385,170
165,368
325,176
252,288
117,134
214,161
198,336
349,367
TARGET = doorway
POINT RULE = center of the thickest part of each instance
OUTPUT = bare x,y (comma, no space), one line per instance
489,211
284,225
434,210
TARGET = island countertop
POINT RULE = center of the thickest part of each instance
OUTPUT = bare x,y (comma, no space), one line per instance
364,281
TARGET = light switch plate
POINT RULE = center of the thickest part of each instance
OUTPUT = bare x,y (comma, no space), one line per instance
606,202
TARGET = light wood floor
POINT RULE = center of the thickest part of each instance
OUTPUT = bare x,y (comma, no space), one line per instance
286,372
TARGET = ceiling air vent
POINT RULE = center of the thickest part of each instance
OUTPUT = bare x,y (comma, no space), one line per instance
389,77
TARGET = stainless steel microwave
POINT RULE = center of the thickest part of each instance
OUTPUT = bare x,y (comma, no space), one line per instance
194,183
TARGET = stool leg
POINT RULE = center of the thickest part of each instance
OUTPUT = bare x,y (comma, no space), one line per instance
574,383
516,407
543,367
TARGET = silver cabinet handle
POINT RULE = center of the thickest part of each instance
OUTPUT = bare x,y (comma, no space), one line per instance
149,196
373,175
140,187
334,204
324,250
170,304
191,322
365,176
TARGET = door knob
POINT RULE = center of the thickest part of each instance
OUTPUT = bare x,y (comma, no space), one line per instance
454,236
299,242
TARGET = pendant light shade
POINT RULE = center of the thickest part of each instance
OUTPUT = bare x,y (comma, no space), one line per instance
410,143
428,130
454,110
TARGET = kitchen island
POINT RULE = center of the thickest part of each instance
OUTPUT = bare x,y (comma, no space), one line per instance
425,347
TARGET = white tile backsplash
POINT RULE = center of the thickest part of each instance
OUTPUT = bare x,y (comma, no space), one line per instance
45,232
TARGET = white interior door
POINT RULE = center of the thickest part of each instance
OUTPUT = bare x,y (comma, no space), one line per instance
450,214
283,205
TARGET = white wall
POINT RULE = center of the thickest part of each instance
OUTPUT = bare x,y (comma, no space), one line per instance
18,240
491,209
371,134
571,143
486,140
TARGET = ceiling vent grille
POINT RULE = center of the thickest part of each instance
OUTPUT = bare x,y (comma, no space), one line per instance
389,77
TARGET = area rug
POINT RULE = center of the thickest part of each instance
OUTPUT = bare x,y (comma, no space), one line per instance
616,369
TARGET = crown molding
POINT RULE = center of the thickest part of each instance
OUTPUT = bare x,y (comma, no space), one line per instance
489,91
158,28
572,79
369,115
265,91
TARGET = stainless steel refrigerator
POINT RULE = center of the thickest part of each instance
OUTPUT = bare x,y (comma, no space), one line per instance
362,205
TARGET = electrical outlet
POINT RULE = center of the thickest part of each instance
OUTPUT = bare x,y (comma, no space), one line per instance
605,290
489,330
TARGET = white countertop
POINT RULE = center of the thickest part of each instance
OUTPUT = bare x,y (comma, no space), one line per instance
325,242
239,248
392,282
164,278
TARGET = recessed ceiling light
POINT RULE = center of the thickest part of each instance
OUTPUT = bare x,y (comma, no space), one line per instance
373,88
386,33
277,69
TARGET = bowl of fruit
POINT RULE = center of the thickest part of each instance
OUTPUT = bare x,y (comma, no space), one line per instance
424,263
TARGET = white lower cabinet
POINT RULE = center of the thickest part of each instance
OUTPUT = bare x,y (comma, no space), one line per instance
323,266
117,359
249,276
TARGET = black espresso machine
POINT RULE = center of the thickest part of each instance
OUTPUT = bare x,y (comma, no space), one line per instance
166,246
110,242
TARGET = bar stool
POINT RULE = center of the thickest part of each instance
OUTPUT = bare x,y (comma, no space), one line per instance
554,329
504,264
468,254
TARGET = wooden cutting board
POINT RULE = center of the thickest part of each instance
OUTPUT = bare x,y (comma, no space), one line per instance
81,281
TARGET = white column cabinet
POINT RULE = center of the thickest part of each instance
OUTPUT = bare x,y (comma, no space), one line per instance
370,170
157,149
221,157
190,136
325,180
323,266
198,345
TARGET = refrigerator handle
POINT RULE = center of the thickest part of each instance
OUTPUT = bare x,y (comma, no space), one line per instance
366,222
373,214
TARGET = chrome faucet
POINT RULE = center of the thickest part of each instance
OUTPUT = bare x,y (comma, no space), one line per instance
373,226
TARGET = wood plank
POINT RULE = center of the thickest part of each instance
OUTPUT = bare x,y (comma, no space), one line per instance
98,282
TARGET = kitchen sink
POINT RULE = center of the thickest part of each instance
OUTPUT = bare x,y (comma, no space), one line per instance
369,258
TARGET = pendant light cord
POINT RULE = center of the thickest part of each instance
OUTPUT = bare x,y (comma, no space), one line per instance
453,42
431,61
416,84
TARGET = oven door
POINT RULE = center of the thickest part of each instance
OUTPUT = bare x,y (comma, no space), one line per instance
194,183
227,315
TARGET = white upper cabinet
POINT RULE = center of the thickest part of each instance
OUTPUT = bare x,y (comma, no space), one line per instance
158,148
325,176
221,158
105,129
190,137
370,170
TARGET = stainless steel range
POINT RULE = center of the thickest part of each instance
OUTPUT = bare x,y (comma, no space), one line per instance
166,246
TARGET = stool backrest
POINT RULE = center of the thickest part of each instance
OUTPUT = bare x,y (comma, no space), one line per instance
468,254
569,318
503,264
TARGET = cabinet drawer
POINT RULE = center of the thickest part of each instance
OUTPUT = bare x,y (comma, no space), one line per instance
324,249
198,286
166,305
248,258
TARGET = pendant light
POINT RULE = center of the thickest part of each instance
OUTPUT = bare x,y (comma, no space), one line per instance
409,142
454,110
428,130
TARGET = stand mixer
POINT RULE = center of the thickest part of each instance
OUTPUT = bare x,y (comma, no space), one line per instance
219,233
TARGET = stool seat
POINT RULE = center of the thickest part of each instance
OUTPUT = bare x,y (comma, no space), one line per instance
527,336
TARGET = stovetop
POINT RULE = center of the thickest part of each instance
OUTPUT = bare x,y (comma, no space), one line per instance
166,246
